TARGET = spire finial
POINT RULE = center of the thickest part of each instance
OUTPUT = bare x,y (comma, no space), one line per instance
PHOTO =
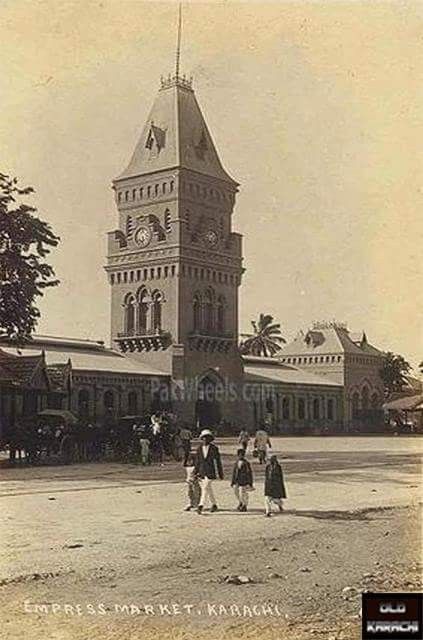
178,47
177,80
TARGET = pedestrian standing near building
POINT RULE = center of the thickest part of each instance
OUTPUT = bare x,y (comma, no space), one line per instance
193,485
242,480
185,435
243,439
208,466
274,486
262,444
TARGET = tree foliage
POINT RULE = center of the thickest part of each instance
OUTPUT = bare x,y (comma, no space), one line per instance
25,241
266,338
393,372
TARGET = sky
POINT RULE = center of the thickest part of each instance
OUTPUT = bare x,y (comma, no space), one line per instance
315,109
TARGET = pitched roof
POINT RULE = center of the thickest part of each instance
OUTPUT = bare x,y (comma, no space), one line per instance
270,370
328,338
176,135
85,355
27,370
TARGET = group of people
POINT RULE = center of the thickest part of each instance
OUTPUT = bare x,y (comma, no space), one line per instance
204,466
158,437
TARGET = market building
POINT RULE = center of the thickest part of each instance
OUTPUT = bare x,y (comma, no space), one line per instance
175,266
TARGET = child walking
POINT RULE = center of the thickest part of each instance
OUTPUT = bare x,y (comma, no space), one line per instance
193,484
242,480
274,487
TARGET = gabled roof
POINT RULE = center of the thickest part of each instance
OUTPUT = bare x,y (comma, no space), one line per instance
176,136
85,355
329,338
26,370
270,371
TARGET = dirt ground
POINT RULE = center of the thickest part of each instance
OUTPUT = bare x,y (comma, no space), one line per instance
105,550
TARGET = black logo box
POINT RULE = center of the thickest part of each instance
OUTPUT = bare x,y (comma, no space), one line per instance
399,608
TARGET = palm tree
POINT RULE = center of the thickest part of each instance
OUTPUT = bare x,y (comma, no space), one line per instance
266,338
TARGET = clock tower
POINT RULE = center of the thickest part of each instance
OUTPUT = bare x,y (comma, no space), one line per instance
174,263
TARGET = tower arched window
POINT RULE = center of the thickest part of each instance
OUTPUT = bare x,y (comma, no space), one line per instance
156,311
209,310
142,311
196,308
221,304
129,314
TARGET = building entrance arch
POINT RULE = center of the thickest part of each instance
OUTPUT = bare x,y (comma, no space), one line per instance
210,390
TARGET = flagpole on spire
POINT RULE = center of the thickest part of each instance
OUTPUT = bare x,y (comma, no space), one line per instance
178,47
176,79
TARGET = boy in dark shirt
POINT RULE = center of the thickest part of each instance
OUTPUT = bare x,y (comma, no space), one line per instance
242,480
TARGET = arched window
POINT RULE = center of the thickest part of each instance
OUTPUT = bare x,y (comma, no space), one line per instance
365,398
132,403
83,404
156,312
355,404
142,312
374,401
196,310
129,314
269,404
286,409
330,409
301,408
209,310
221,314
109,400
316,409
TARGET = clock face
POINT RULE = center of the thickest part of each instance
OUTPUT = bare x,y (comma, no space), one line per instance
210,237
143,236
